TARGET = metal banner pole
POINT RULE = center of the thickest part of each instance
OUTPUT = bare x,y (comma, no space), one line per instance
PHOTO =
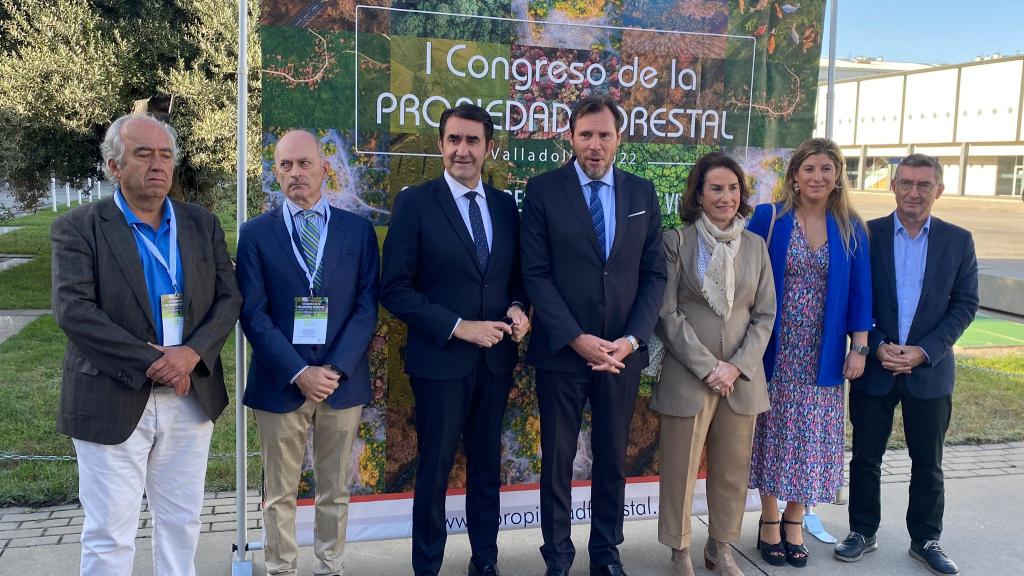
830,95
241,562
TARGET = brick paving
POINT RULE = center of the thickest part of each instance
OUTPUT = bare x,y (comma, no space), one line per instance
55,525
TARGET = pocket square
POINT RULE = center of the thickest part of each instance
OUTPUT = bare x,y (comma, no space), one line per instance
637,213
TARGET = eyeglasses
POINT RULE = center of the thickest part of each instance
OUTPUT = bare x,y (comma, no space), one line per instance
908,185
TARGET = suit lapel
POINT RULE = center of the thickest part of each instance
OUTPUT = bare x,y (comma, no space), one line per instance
688,258
443,195
281,232
936,250
886,249
574,195
621,211
497,224
121,242
187,252
336,236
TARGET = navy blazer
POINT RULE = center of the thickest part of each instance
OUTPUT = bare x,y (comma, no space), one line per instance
949,300
573,289
431,277
270,279
847,292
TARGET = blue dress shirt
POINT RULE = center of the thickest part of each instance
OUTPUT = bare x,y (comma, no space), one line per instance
607,195
910,256
158,281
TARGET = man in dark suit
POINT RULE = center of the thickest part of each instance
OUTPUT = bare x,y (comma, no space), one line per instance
143,289
912,360
594,270
451,273
308,273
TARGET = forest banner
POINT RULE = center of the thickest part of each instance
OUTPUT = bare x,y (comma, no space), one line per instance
372,80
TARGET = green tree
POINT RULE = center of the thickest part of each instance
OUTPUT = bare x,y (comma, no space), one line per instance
69,67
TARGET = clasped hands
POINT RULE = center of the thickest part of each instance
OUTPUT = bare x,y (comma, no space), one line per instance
174,368
722,379
900,359
602,355
487,333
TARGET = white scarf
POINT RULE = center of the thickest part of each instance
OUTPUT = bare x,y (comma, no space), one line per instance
719,284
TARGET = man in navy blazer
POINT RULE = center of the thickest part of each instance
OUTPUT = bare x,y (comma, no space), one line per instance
451,273
925,283
308,273
594,270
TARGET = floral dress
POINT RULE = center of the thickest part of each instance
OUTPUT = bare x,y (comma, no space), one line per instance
798,443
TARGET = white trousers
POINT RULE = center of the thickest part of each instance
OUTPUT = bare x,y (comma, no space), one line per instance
165,455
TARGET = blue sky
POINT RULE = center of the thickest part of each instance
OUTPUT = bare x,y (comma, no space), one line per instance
928,31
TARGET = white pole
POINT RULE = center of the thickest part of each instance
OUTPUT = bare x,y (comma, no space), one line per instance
241,564
53,192
67,193
830,97
79,196
88,185
99,189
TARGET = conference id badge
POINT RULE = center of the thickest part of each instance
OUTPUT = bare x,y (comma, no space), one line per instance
172,318
310,320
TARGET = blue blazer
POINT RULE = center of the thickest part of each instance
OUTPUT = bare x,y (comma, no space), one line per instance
949,300
847,293
270,279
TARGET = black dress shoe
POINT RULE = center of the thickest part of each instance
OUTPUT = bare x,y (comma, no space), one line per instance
606,570
552,571
487,570
855,546
930,552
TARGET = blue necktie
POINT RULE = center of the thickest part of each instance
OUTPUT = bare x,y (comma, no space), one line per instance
476,224
309,235
597,214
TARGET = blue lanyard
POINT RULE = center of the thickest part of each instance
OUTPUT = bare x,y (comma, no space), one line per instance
287,216
172,252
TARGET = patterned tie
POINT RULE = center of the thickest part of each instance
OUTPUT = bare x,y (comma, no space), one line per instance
309,234
597,214
476,224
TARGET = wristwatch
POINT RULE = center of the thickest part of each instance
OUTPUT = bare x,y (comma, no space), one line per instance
862,350
336,370
633,342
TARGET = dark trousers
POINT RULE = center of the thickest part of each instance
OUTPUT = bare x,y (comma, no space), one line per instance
471,408
562,396
924,423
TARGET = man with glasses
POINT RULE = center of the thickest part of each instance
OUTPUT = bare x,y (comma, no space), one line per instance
912,360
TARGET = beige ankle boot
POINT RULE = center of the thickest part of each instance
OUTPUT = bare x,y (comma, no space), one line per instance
681,565
719,559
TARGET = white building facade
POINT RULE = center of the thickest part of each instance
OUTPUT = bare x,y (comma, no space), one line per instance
967,115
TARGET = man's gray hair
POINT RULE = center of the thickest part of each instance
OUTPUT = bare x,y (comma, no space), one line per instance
112,147
922,161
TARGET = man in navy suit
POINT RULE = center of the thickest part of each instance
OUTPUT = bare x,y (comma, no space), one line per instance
308,273
451,273
925,284
594,270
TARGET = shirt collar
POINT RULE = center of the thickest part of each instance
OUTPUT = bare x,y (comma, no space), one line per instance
459,190
320,207
901,228
132,219
608,179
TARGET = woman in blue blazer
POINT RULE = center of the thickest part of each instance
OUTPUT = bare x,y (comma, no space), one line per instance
819,252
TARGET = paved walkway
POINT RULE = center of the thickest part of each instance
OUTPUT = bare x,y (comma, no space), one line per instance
12,321
984,492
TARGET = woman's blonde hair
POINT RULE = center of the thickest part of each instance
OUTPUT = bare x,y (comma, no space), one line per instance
838,202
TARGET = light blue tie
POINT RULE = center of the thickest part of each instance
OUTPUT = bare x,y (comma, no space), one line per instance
309,235
597,214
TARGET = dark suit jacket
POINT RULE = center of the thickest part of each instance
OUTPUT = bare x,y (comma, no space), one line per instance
573,290
431,277
270,279
949,300
101,302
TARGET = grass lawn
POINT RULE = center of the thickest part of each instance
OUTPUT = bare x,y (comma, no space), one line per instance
30,381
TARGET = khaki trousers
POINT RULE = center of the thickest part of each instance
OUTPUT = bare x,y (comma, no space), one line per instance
283,439
729,437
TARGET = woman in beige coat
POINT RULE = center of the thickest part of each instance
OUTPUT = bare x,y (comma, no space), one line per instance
715,322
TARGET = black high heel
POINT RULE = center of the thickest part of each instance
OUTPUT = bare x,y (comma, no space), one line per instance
771,553
796,554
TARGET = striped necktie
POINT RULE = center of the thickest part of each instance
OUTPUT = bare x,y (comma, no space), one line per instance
309,235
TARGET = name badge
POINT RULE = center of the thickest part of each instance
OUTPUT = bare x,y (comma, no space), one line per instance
172,318
310,320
